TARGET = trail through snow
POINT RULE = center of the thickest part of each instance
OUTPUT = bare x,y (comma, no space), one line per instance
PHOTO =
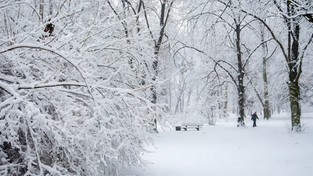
225,150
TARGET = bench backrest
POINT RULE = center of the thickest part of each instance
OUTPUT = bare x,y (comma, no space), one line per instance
192,124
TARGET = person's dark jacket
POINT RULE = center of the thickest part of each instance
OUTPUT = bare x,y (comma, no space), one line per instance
254,117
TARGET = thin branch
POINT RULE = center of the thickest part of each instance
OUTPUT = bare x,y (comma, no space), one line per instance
259,96
52,84
7,88
147,21
30,46
302,56
118,16
131,6
189,47
254,50
226,70
229,64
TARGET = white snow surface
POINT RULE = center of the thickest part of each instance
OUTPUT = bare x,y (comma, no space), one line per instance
225,150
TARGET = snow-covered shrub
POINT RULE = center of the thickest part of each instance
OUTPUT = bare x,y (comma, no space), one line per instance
63,128
209,114
71,101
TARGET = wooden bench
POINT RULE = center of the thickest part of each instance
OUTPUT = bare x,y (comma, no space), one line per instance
186,126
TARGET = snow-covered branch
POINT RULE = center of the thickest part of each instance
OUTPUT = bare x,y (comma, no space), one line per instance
8,89
40,47
51,84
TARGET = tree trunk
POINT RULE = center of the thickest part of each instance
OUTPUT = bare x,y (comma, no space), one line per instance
50,8
240,87
266,104
157,48
294,93
41,10
294,68
225,108
164,15
155,74
294,88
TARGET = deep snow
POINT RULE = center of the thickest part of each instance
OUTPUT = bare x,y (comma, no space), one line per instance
225,150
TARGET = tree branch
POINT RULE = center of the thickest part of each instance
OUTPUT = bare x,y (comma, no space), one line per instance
52,84
45,48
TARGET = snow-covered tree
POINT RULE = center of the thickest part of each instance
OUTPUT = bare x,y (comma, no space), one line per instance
71,98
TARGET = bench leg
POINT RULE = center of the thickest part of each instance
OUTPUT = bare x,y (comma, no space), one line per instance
198,128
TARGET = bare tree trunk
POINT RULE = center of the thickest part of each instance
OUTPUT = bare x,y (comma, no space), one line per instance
170,96
266,104
294,68
240,87
294,93
50,8
294,88
164,15
41,10
225,101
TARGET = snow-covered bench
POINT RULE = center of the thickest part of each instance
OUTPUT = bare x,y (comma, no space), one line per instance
186,126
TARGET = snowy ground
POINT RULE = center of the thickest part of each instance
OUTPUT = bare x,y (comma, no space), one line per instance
225,150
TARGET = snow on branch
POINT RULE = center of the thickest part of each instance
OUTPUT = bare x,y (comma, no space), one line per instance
51,84
45,48
8,89
41,47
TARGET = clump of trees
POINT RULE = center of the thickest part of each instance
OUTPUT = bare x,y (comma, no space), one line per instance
72,96
241,45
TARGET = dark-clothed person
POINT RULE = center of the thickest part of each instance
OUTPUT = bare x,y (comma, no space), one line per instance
254,117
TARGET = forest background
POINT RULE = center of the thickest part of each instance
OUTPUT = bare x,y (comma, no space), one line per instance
82,81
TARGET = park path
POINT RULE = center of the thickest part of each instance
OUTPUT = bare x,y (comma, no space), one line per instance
225,150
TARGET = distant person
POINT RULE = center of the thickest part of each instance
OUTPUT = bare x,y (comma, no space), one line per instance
254,117
155,125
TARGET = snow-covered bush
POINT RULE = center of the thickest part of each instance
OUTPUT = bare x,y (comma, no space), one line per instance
71,98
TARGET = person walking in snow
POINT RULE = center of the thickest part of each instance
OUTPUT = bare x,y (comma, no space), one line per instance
254,117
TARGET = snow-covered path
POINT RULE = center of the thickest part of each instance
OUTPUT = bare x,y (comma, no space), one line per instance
225,150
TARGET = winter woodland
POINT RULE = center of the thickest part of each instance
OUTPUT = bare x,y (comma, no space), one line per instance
82,82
